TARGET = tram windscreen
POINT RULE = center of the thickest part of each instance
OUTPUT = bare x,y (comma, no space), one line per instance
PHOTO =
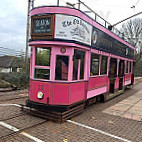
42,73
42,63
42,56
61,71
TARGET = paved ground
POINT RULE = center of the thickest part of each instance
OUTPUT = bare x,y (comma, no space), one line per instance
130,107
101,122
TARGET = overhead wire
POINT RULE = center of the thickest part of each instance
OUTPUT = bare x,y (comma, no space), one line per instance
137,2
11,52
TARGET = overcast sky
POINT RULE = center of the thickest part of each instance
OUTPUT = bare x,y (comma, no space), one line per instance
13,16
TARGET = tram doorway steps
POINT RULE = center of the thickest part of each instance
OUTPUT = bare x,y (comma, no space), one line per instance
53,115
109,96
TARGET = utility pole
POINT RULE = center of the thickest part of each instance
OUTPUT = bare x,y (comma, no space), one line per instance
57,2
78,4
32,4
27,36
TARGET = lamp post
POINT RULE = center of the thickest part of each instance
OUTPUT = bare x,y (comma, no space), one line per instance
27,37
30,3
79,4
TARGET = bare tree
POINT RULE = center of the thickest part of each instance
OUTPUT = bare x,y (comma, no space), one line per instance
133,34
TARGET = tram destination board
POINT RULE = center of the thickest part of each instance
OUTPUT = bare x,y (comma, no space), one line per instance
104,42
42,26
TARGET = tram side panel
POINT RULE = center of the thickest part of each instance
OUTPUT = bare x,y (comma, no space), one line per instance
97,85
127,79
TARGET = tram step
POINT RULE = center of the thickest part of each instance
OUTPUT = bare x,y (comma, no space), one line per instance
53,115
112,95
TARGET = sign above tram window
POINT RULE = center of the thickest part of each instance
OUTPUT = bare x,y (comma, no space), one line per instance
42,26
72,28
104,42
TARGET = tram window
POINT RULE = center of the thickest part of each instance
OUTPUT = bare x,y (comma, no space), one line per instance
79,56
61,71
94,69
43,56
130,68
127,65
42,73
75,69
121,68
104,65
82,65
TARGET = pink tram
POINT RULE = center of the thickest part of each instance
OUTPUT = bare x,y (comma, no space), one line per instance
75,60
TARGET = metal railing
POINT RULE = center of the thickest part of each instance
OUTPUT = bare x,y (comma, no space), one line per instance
103,22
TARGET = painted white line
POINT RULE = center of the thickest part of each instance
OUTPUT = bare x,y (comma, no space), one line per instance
22,133
99,131
17,105
11,105
31,137
9,126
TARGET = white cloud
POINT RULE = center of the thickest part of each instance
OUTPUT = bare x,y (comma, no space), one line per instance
13,25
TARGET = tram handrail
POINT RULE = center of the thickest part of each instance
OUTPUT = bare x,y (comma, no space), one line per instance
114,30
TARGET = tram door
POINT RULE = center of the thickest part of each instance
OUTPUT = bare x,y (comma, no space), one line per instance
121,74
61,71
112,74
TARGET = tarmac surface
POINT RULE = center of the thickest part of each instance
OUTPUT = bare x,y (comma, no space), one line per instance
117,120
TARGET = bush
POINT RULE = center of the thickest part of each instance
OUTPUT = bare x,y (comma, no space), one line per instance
19,79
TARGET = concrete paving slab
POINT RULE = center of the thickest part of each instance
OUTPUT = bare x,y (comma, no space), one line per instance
130,107
126,102
114,112
134,111
139,104
133,99
132,116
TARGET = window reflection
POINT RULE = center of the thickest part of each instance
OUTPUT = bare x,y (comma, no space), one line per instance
104,65
130,68
79,56
42,73
42,56
82,65
75,69
94,69
42,60
127,67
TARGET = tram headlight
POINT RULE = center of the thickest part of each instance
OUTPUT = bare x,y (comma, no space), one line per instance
39,95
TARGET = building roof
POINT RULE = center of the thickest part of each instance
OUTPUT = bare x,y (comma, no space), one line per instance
10,61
